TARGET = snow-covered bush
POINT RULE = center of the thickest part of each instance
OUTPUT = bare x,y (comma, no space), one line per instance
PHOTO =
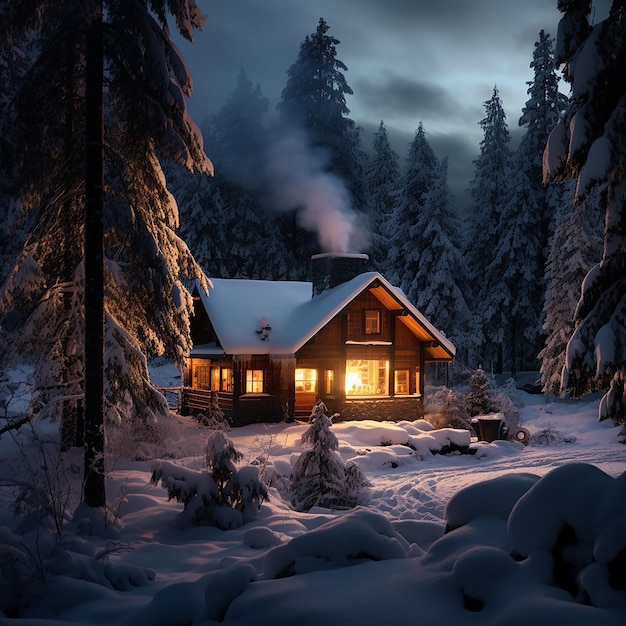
319,476
447,410
222,496
550,437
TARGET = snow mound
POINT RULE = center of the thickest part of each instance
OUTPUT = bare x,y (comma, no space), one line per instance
354,538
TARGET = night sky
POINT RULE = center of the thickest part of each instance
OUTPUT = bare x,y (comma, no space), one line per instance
408,61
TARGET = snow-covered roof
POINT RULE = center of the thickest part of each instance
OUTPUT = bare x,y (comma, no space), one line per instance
239,308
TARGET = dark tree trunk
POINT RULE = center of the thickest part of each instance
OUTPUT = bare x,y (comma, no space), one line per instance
72,423
94,478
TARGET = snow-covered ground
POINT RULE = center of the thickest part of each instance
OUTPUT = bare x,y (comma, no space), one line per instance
516,512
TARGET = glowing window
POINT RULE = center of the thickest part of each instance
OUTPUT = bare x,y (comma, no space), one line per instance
306,380
254,381
227,379
215,378
366,377
402,382
329,382
201,377
372,322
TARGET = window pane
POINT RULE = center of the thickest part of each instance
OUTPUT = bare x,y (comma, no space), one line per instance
215,378
329,382
367,377
306,380
402,382
203,376
227,379
254,381
372,322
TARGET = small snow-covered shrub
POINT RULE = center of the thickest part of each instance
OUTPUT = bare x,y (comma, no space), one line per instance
319,476
549,437
222,496
448,410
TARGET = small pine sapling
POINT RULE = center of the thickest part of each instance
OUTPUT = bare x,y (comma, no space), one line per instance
480,397
222,496
319,476
214,418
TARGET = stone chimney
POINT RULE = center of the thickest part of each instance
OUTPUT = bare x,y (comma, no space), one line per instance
332,268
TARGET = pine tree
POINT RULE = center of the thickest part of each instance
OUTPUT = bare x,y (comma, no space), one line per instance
383,177
319,476
487,188
540,115
146,307
513,279
589,144
420,171
575,248
439,287
314,99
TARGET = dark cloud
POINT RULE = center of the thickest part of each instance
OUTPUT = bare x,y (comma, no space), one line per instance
408,61
396,96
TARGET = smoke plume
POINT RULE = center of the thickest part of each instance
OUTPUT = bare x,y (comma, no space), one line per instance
299,182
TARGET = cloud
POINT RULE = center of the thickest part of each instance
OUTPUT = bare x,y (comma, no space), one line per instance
397,96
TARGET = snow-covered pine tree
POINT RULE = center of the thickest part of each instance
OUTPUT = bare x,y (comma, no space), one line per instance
589,144
42,129
319,476
491,174
540,115
314,99
417,179
480,397
383,177
440,285
515,277
575,247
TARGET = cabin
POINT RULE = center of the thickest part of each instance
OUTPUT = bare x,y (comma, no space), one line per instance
268,350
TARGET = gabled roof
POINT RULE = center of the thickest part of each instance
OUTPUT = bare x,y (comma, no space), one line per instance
236,308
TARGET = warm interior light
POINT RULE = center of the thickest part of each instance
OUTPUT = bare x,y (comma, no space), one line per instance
353,381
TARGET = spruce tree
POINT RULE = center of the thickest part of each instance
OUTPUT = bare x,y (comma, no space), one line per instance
314,99
439,287
589,144
146,307
383,178
491,176
513,278
319,476
575,247
420,171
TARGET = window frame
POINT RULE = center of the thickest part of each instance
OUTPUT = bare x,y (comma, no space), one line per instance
370,315
255,381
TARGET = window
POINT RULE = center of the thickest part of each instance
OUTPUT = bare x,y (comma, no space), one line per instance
367,377
372,322
221,379
402,382
306,380
201,377
227,379
215,378
329,382
254,381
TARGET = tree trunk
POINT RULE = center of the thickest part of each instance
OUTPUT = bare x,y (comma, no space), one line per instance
72,423
94,471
